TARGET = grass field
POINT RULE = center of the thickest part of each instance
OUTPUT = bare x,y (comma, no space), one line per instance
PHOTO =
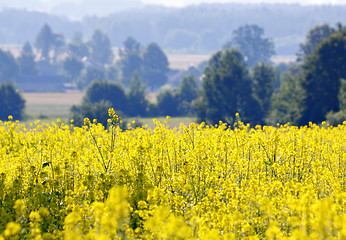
50,106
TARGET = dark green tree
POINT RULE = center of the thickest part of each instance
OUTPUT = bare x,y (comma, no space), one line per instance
342,95
98,110
11,102
279,69
250,41
8,66
336,118
131,60
73,66
187,92
167,103
285,105
102,90
313,38
263,86
323,71
136,101
227,89
26,61
101,49
154,66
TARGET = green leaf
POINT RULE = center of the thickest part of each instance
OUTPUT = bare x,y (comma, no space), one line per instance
267,163
46,164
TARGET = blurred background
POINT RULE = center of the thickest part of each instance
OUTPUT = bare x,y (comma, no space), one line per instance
155,56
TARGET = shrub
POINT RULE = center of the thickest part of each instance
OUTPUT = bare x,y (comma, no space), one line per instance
11,102
167,103
103,90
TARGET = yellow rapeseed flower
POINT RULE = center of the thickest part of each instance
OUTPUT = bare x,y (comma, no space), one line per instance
86,121
12,229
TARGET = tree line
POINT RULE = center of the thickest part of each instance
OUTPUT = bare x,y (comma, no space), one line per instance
311,90
236,79
204,27
81,62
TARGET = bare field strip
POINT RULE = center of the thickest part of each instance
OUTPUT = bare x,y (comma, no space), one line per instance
47,112
184,61
53,98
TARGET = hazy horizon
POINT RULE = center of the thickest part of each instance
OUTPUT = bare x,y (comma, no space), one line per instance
190,2
81,8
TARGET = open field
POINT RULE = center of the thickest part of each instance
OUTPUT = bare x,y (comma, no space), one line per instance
50,106
184,61
60,98
197,182
47,112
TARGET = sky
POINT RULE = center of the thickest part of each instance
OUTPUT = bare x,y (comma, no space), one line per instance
180,3
79,8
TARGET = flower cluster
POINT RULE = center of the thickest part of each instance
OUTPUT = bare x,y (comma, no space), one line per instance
58,181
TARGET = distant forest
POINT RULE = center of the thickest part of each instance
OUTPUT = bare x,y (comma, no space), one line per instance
201,28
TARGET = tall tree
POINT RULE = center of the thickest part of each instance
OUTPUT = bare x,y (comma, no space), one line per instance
131,46
8,66
136,101
44,41
313,38
323,71
342,95
187,92
227,89
285,105
263,86
26,61
250,41
47,41
77,47
155,66
131,60
101,49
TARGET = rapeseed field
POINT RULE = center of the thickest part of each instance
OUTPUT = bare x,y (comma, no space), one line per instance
58,181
